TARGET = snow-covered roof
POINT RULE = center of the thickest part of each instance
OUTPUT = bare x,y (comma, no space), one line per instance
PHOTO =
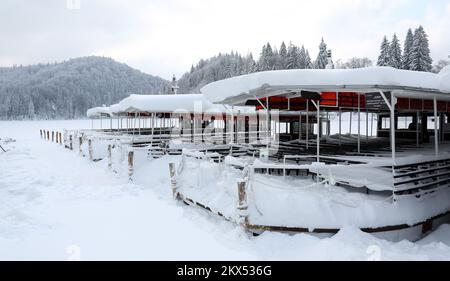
238,89
98,112
166,104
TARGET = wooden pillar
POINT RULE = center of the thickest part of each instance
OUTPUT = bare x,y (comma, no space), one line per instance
242,204
40,131
130,165
48,135
53,136
109,156
91,156
80,142
173,181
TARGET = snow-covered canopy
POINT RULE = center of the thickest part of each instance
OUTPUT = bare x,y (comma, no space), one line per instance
98,112
238,89
191,103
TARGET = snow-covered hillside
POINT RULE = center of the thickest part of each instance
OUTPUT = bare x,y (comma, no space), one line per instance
68,89
55,205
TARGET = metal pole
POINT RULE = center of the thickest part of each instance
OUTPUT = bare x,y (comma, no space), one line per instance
307,124
318,137
417,128
392,108
351,113
300,125
359,124
317,105
371,124
340,126
268,122
367,125
436,140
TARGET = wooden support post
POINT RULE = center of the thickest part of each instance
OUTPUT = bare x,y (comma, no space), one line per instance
130,165
80,142
53,136
173,181
56,137
109,157
60,138
40,131
91,157
242,204
48,135
70,142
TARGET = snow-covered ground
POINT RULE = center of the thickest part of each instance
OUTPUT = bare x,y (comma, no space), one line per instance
56,205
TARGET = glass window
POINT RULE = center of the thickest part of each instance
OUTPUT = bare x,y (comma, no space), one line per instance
403,122
385,123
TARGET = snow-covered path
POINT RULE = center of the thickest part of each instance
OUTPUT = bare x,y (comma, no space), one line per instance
57,205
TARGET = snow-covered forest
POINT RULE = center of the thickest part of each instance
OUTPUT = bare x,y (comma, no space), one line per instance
415,56
68,89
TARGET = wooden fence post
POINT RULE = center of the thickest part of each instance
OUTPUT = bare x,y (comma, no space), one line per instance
53,136
109,156
57,137
242,204
48,135
60,138
130,165
80,142
91,157
41,133
70,142
173,181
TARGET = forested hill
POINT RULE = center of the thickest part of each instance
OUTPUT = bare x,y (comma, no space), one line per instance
68,89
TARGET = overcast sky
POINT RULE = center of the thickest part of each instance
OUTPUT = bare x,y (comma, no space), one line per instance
162,37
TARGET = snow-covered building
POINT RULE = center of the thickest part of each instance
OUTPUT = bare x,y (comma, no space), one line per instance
281,140
395,183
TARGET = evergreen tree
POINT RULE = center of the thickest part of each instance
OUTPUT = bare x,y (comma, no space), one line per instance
262,59
302,58
292,57
283,55
420,52
406,58
270,57
395,53
308,62
383,58
266,59
322,58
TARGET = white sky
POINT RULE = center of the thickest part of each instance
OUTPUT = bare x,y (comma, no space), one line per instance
162,37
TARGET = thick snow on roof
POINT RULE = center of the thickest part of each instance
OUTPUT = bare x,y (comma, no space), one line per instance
163,103
328,79
166,104
97,112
